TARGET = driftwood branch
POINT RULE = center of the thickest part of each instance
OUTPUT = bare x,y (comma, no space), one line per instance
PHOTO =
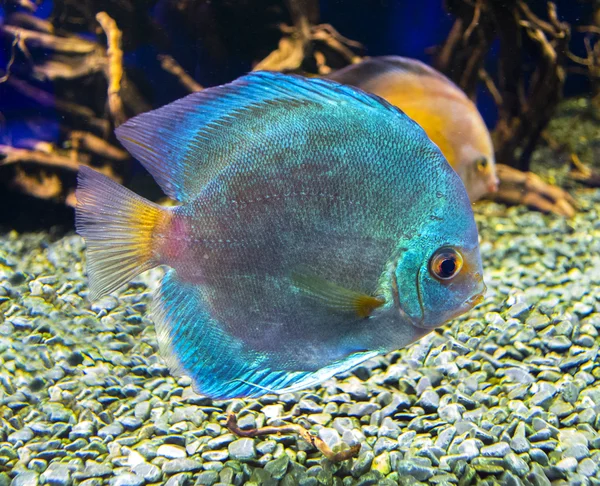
314,440
527,93
305,42
172,66
96,145
31,38
517,187
114,66
81,113
26,4
13,52
11,155
41,185
582,173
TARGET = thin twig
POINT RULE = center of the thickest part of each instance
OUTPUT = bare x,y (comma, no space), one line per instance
489,83
314,440
114,67
592,29
97,146
580,167
67,45
27,4
13,52
474,22
12,155
172,66
42,185
31,22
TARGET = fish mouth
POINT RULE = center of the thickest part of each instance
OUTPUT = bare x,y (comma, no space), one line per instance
492,187
476,298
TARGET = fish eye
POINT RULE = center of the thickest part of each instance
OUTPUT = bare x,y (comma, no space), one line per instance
445,263
482,164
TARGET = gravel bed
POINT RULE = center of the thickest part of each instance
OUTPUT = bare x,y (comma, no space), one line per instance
509,394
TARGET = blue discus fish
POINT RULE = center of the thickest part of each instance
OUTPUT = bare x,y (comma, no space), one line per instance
310,237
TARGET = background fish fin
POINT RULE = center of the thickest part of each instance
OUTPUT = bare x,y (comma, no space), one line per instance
220,366
185,144
336,297
375,67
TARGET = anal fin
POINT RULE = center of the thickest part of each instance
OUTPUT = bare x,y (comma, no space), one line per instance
219,364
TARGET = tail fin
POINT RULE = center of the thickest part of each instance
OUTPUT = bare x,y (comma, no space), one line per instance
117,226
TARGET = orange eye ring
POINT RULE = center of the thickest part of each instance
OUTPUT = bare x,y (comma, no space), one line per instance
445,264
482,164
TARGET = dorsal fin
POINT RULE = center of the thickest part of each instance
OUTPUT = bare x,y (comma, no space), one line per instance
184,144
374,67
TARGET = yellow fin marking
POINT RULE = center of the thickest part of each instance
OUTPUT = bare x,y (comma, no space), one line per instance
336,297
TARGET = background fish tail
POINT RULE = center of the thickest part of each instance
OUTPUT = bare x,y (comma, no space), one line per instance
118,227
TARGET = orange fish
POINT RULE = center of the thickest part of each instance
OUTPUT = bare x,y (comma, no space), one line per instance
449,118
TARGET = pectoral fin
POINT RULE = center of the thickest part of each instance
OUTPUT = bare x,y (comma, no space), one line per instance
336,297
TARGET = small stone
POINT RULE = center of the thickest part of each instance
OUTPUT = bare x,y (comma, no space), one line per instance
247,421
57,474
537,477
171,451
181,465
278,467
417,471
469,448
94,470
309,406
516,464
405,439
568,464
23,435
131,422
220,455
400,401
539,456
578,451
331,437
451,413
273,411
362,409
207,478
587,467
519,375
26,478
518,310
142,410
112,430
82,430
381,463
571,437
149,472
384,444
178,480
561,408
499,449
242,450
126,479
57,412
445,438
429,400
362,464
543,398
